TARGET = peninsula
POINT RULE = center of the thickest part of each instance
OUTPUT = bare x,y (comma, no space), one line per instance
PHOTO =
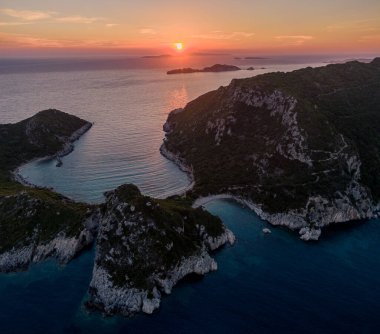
300,148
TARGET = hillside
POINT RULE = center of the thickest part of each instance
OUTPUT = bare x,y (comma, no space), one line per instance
302,147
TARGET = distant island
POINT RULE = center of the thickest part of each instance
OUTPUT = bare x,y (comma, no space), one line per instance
250,57
207,54
214,68
253,57
158,56
300,148
144,246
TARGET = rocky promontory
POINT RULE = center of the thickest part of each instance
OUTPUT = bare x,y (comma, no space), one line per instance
145,246
300,148
215,68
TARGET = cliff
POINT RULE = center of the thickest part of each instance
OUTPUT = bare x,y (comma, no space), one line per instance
145,246
302,149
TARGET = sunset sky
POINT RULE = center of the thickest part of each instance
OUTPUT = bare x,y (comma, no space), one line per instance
270,26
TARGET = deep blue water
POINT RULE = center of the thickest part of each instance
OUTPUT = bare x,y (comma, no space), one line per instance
265,284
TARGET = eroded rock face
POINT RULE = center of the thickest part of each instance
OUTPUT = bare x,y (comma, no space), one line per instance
291,145
33,229
145,246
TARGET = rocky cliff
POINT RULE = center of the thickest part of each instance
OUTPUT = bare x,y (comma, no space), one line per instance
145,246
301,148
34,227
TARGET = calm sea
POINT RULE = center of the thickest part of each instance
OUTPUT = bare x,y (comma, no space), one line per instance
265,284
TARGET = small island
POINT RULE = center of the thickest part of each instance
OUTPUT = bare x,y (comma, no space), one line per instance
215,68
156,56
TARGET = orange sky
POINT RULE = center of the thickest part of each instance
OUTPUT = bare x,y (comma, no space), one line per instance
272,26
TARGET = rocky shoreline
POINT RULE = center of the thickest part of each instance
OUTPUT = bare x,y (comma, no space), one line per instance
62,247
66,150
68,146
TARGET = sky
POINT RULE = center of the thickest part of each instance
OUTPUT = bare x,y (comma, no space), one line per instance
141,26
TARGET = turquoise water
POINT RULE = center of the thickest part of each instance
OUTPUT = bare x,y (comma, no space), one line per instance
264,284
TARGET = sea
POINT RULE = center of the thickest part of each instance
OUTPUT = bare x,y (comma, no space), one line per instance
265,283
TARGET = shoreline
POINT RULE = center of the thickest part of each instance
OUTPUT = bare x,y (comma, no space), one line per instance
181,165
68,147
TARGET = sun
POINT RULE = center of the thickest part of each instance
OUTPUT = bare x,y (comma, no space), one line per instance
178,46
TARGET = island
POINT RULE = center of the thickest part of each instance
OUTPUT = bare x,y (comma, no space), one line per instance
302,149
157,56
214,68
255,58
144,246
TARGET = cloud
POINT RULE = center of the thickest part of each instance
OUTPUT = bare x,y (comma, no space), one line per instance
220,35
23,40
9,40
27,15
79,19
294,39
49,16
365,25
369,38
12,24
303,37
147,31
111,25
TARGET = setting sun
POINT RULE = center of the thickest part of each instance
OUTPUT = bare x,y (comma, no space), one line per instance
179,46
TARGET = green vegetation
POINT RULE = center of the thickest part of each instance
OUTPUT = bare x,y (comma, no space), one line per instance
41,135
35,215
142,237
331,100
